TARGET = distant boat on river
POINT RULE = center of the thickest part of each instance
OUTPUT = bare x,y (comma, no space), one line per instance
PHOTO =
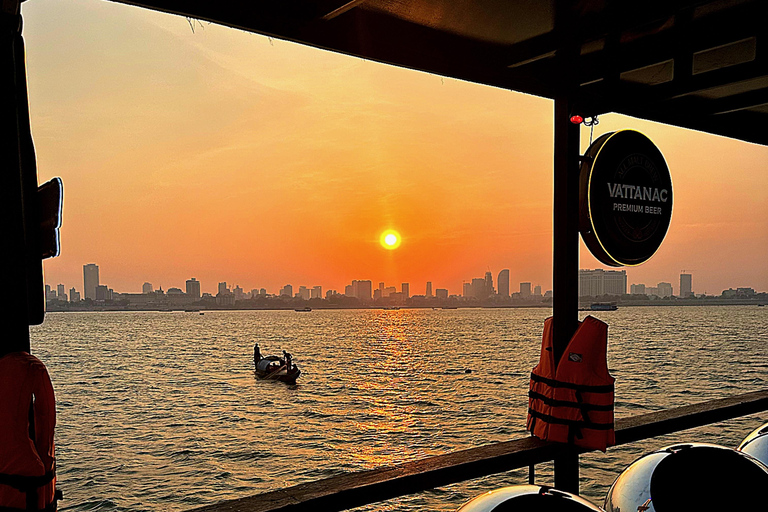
305,309
603,306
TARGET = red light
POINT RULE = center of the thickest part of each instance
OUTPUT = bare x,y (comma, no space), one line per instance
577,119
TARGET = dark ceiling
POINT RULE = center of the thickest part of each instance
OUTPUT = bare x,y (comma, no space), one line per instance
697,64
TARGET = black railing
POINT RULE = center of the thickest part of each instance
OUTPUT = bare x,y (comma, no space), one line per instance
365,487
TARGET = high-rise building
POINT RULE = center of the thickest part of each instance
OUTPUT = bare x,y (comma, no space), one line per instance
286,291
478,289
503,283
489,284
363,290
223,290
101,292
147,288
317,292
304,292
429,289
74,295
593,283
405,289
60,293
525,289
686,288
664,289
90,280
637,289
466,289
441,293
193,288
537,290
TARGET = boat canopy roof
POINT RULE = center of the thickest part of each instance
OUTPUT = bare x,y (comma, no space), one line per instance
264,364
695,64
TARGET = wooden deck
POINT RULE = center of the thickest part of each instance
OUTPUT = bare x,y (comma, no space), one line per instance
365,487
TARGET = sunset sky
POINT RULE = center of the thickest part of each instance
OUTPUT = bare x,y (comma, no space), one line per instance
228,156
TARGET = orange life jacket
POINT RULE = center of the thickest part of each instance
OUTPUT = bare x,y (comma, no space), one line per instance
573,403
27,420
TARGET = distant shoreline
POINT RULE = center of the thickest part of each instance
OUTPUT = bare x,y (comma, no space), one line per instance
584,306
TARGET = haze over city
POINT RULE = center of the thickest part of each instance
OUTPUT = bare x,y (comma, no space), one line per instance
230,156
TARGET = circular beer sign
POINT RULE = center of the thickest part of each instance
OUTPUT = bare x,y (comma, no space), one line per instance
625,198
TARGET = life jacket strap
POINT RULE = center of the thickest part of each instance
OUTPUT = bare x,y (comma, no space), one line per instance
567,403
572,423
608,388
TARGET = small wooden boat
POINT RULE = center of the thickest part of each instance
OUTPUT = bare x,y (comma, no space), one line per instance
276,367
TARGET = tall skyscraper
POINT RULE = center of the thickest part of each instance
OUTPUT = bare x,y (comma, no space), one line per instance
406,290
90,280
537,290
147,288
223,290
489,284
193,288
429,289
686,285
503,283
525,289
60,293
286,291
74,295
317,292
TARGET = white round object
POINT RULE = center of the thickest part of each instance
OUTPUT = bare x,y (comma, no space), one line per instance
691,476
756,444
528,498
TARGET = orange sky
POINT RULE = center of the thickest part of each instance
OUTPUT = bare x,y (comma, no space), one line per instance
227,156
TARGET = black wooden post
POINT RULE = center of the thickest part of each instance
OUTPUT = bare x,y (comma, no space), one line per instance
20,262
565,263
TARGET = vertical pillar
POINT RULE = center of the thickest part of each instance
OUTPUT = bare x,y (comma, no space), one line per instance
21,299
565,264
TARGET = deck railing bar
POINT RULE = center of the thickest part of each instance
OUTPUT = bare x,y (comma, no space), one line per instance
351,490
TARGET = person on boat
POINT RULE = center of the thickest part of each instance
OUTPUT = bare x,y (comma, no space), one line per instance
288,358
256,354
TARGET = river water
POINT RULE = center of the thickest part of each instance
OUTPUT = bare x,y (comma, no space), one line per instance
161,411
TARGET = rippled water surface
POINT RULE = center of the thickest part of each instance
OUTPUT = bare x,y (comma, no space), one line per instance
161,411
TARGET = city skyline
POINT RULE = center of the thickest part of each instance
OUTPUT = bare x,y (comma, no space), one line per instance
285,163
590,284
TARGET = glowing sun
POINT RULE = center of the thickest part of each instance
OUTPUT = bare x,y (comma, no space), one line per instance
390,239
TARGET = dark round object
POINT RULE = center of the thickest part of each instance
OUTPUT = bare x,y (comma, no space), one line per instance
756,444
693,476
528,498
625,198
